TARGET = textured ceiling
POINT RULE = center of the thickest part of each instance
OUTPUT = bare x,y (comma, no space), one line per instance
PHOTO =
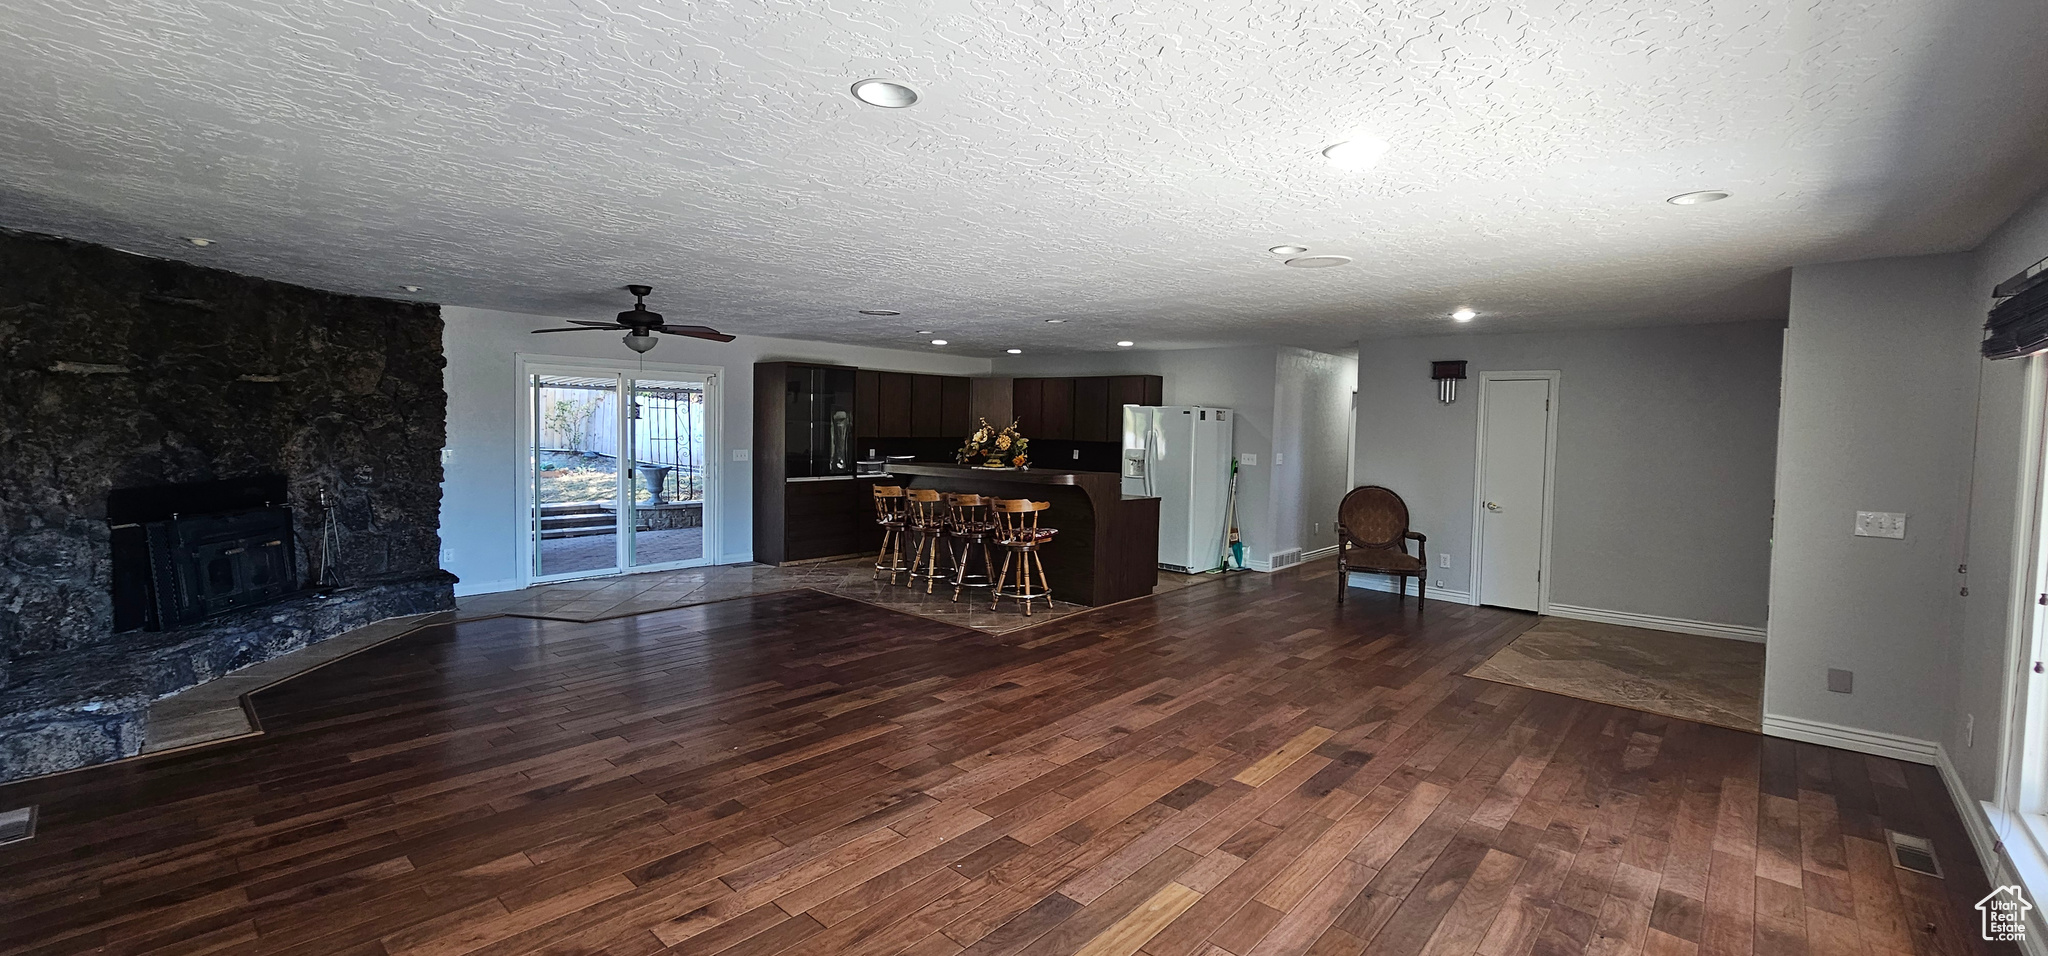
1120,164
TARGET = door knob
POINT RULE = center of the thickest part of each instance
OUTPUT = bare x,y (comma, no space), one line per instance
1490,506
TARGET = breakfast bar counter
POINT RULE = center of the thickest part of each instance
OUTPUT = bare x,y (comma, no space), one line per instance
1108,546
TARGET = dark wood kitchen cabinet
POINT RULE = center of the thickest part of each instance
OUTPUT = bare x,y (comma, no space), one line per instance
907,405
1081,409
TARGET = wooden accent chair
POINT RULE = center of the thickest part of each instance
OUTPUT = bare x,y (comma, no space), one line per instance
927,512
1018,532
893,518
1373,535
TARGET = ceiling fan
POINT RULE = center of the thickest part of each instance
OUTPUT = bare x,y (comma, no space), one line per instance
640,324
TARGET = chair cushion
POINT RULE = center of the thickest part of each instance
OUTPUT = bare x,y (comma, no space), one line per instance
1374,559
1030,535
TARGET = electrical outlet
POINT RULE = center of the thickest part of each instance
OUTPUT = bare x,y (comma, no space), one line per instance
739,454
447,556
1841,681
1880,524
1443,560
1439,584
447,456
1279,458
1077,454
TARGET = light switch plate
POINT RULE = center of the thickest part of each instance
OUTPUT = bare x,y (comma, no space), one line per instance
739,454
1443,560
1248,459
1279,458
1880,524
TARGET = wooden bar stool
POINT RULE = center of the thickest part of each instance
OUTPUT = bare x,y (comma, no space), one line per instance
889,514
1018,532
971,527
927,517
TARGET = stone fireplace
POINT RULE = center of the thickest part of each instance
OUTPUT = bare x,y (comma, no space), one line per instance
198,471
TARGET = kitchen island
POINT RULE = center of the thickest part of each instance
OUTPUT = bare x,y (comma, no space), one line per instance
1108,546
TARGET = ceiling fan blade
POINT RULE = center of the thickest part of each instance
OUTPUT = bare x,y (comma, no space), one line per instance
595,323
583,328
697,332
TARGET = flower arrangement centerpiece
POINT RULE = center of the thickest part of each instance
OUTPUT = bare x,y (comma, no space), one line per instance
989,447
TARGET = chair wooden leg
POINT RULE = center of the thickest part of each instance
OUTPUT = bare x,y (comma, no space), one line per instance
997,597
1343,578
1043,584
932,579
882,555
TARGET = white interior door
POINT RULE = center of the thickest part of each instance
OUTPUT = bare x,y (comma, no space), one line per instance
1514,456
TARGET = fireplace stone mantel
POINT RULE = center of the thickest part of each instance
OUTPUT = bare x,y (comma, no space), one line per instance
194,376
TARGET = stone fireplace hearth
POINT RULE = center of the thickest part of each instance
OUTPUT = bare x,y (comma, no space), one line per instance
186,376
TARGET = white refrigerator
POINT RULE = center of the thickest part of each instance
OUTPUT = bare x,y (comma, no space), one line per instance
1180,454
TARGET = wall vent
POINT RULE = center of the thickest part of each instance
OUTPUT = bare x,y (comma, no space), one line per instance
17,825
1282,559
1913,853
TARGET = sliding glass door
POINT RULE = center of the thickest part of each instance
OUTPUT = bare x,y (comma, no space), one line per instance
619,471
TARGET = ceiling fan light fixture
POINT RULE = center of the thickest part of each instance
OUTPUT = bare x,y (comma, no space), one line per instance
1288,250
640,341
886,94
880,312
1464,315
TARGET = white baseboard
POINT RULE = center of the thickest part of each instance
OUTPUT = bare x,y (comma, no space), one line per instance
465,589
743,557
1994,855
1656,623
1384,582
1908,749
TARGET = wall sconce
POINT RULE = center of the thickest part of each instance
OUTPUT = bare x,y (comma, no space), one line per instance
1447,375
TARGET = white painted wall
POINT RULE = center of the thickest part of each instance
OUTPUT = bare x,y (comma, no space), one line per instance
1996,507
1665,449
480,520
1879,401
1282,397
1312,416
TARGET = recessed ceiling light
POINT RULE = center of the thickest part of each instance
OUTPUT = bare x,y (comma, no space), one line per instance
1288,250
1318,262
1014,351
923,332
1361,153
938,341
1127,343
1695,198
1464,315
195,240
885,94
880,312
410,288
1055,321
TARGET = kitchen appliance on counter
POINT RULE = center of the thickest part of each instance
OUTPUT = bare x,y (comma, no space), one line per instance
870,467
1180,454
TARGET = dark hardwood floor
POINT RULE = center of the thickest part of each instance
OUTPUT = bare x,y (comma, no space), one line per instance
1237,768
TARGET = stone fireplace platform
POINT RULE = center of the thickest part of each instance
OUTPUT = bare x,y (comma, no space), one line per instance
89,705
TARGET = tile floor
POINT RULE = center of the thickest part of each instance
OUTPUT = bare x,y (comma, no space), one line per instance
619,596
1713,680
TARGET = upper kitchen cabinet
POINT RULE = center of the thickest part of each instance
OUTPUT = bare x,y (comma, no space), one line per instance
905,405
1081,409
